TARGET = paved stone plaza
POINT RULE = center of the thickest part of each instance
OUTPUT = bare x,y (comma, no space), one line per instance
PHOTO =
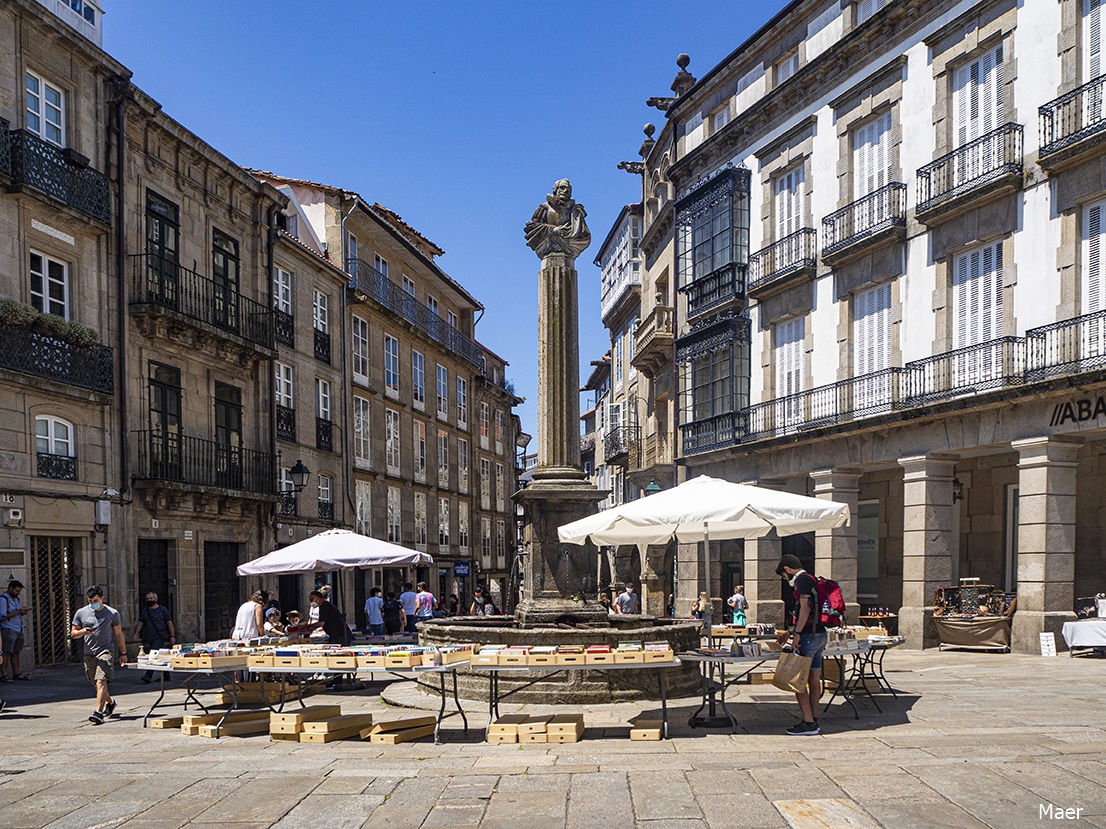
976,740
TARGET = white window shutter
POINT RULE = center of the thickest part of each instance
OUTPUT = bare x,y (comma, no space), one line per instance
1092,258
1092,47
961,91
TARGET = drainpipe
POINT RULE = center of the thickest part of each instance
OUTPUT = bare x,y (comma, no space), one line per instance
270,243
121,88
347,461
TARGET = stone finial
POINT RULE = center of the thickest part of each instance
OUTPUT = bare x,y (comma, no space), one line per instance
684,79
648,144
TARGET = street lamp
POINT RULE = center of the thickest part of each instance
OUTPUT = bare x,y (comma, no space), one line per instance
299,474
653,487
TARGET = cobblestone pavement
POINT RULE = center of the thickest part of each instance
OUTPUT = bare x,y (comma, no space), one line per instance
976,740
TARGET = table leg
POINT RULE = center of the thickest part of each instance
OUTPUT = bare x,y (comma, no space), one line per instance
233,702
722,696
881,677
457,702
190,685
706,684
160,697
860,675
491,703
441,710
664,703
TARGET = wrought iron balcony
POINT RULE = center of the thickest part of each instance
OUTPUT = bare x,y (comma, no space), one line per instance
1071,346
166,284
984,165
715,289
322,346
619,442
878,216
324,434
368,280
61,467
326,510
5,148
1074,122
713,432
285,423
38,354
776,266
288,505
284,328
60,174
196,462
967,371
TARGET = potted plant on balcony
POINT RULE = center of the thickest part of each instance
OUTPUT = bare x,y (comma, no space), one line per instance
18,314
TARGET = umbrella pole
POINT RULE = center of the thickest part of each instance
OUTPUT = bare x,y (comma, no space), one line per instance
706,560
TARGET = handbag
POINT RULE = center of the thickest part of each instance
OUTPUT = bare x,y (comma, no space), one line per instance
791,673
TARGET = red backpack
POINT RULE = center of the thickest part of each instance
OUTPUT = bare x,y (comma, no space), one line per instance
831,604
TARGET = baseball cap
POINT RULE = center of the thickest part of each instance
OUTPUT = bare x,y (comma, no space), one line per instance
788,560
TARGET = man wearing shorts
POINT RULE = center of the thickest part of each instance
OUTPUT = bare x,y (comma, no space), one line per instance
11,629
102,630
805,640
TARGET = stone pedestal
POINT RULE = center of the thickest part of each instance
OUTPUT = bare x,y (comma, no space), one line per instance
927,543
653,590
555,575
1046,540
835,550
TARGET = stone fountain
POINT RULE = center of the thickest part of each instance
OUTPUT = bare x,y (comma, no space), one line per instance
559,595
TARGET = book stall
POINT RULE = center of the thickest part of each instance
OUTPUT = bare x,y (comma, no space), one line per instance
973,615
1087,633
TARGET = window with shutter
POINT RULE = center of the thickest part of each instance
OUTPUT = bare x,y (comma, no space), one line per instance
977,312
872,346
871,156
977,110
1093,340
789,367
789,202
1092,39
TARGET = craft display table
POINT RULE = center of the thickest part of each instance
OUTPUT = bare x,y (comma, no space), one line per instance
714,690
494,695
888,623
975,632
868,665
1085,634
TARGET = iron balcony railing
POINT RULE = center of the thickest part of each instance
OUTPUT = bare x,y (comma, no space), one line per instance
284,328
1070,346
977,163
285,423
792,253
173,457
38,354
326,510
288,504
367,279
715,289
713,432
967,371
324,434
866,217
1072,117
59,174
322,346
61,467
163,282
619,442
5,148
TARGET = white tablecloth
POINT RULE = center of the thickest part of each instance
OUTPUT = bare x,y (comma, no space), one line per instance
1086,633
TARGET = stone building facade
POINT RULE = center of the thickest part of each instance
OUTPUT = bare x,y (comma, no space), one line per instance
898,301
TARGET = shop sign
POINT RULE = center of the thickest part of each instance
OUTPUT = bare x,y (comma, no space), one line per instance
461,569
1078,411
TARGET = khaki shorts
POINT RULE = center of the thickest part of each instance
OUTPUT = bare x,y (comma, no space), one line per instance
101,666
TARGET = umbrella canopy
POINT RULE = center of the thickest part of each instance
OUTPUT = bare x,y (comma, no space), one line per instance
706,508
333,550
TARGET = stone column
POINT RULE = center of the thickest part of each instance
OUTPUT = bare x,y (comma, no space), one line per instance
835,550
927,543
762,585
558,370
652,587
689,578
1046,540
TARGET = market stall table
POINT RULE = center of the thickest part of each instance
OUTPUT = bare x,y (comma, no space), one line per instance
868,665
889,622
189,681
1085,634
494,696
976,632
712,663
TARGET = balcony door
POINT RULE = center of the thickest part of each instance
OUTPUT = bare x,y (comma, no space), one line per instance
228,435
224,273
162,251
977,316
165,409
1092,340
871,170
790,336
977,110
789,211
872,347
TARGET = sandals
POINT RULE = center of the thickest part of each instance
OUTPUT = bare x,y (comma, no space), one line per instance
23,677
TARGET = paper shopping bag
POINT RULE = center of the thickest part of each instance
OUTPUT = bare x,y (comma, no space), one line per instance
792,671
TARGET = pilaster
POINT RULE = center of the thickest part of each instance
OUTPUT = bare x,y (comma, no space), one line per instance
835,550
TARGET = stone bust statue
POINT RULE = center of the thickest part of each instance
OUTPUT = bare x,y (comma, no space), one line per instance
558,224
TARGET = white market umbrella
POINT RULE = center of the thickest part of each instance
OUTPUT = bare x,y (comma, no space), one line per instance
333,550
703,509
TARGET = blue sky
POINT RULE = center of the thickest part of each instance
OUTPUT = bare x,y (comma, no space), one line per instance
458,116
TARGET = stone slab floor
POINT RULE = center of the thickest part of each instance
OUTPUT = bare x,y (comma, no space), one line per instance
975,740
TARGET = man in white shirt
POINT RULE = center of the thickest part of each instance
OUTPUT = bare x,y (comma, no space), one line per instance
407,599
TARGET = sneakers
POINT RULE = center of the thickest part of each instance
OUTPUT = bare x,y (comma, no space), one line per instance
147,679
109,709
96,718
804,729
3,705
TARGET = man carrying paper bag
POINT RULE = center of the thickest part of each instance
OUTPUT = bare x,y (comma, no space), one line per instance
807,643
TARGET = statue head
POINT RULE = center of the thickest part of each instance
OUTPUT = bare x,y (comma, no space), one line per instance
562,193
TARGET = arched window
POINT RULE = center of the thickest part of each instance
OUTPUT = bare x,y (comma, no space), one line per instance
54,446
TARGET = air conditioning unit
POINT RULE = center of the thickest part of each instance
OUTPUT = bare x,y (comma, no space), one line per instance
13,518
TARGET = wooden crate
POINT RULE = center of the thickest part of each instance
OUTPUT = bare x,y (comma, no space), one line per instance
516,660
450,657
370,661
263,660
543,659
629,657
345,663
488,658
534,725
571,659
502,738
208,661
565,736
179,663
534,737
406,723
286,662
165,722
409,660
316,661
507,724
391,738
658,656
565,723
599,658
239,729
647,730
335,728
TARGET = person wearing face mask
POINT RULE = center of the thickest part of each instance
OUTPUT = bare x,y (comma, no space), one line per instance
482,605
155,629
806,638
101,628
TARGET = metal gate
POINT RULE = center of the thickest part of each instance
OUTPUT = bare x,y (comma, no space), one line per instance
220,588
55,584
153,572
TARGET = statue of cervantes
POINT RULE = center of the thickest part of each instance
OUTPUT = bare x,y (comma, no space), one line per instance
558,224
